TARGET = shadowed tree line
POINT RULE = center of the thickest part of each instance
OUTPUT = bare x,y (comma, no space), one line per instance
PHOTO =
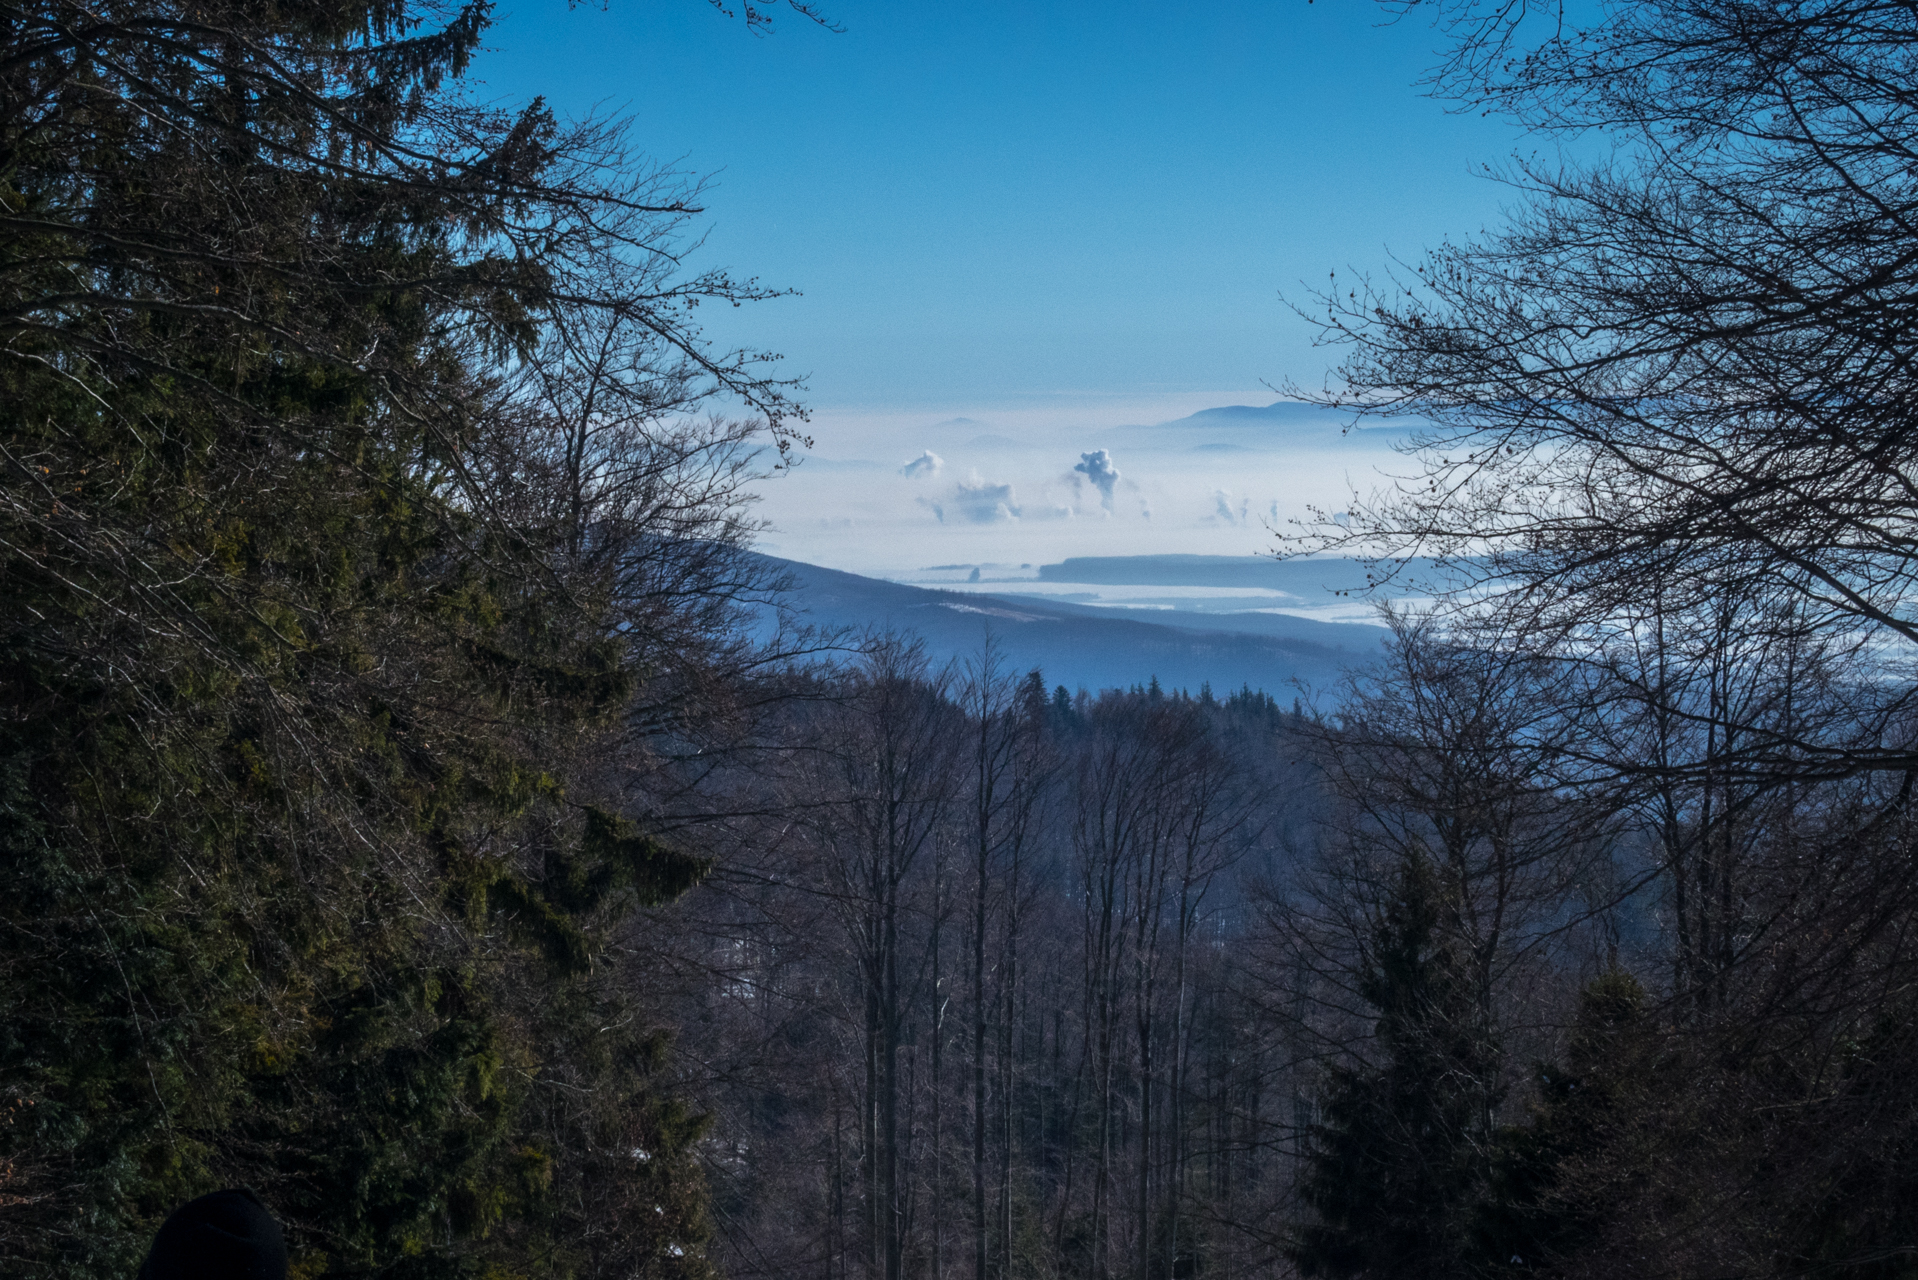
991,982
962,997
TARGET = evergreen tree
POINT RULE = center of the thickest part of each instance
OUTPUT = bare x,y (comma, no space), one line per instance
308,869
1064,710
1033,704
1553,1179
1395,1166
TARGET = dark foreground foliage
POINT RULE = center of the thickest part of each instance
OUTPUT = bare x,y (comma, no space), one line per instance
317,610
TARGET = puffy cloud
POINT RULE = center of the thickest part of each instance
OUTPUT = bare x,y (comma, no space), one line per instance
1097,467
977,502
926,464
1222,507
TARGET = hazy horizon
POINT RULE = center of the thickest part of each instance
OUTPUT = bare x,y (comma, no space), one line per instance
894,495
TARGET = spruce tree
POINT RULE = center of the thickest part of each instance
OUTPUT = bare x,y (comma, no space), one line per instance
1395,1167
1555,1178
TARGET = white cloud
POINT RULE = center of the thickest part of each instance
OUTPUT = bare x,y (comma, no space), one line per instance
926,464
977,502
1223,508
1097,467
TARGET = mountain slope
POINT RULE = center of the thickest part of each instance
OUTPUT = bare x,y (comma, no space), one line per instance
1283,425
1312,581
1077,645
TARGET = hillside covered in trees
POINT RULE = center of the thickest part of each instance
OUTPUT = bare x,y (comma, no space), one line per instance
418,803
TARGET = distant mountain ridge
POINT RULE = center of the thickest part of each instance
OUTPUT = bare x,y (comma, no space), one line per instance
1282,424
1312,580
1279,411
1084,646
1289,413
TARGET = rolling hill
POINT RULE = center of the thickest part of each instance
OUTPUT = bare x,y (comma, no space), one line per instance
1086,646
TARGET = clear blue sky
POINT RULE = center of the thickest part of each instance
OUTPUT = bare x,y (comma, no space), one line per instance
999,203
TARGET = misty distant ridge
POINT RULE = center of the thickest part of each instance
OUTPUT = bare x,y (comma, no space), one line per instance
1279,411
1284,413
1281,424
1086,646
1302,577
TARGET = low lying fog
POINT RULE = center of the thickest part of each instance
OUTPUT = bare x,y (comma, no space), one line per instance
922,497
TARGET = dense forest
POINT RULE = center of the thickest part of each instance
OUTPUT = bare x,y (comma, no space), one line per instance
418,804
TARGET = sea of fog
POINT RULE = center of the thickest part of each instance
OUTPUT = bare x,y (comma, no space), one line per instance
1006,503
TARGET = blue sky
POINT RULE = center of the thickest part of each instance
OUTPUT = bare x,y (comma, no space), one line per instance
1011,207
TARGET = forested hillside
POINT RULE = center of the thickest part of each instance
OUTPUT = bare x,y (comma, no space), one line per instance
1097,646
991,980
966,996
418,803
